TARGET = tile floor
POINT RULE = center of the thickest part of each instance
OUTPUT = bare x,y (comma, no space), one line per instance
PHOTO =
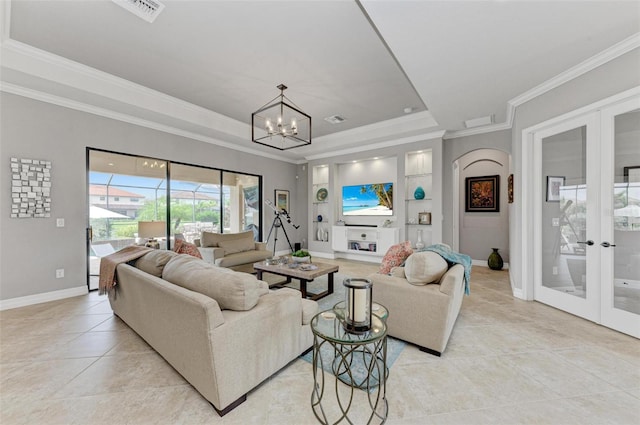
508,362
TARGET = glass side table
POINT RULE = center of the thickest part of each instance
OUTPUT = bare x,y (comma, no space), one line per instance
357,360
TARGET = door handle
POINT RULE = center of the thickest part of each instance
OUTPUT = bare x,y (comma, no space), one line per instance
607,244
589,242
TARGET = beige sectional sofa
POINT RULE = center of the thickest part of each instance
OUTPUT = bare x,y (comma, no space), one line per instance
223,331
237,251
423,299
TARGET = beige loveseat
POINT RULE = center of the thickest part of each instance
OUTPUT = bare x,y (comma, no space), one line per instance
419,312
224,331
236,251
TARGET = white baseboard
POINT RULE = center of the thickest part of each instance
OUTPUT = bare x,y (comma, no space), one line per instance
517,293
483,263
357,257
328,255
43,298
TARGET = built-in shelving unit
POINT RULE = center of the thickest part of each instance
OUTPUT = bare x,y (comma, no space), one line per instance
411,165
419,196
320,204
363,240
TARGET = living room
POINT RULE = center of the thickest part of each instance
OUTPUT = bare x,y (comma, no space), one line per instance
53,109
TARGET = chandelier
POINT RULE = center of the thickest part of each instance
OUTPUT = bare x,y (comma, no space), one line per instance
280,124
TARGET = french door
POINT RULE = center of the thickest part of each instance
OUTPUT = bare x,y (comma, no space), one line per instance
587,216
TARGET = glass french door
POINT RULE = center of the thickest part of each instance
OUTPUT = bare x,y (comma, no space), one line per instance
568,223
620,274
587,214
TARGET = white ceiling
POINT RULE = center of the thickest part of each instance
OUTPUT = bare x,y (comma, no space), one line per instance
218,61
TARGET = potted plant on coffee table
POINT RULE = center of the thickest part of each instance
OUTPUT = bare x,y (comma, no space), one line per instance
301,256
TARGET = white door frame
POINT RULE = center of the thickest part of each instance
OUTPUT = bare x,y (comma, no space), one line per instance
530,190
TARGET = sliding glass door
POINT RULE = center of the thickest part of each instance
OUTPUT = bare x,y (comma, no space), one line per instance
131,199
124,192
195,201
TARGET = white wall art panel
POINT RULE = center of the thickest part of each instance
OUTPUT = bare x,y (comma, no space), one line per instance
30,188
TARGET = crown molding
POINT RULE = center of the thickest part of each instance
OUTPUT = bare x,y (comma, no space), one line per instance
103,112
39,63
42,64
381,145
590,64
599,59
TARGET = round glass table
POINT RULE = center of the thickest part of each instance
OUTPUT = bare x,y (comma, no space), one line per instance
377,309
357,360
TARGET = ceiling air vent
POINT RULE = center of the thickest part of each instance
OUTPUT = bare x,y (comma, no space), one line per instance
145,9
477,122
335,119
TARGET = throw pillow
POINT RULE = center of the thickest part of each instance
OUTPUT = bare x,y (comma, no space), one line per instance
232,290
234,246
395,256
154,261
210,239
425,267
398,272
184,247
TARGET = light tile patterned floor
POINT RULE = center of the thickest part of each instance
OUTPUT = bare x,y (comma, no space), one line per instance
508,362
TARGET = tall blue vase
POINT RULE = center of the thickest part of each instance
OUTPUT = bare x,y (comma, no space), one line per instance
419,193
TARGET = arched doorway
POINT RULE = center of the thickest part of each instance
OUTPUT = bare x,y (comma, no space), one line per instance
476,232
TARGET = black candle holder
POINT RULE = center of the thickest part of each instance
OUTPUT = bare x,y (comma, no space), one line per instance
358,302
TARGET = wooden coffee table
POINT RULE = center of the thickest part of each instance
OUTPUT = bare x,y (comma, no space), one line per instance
303,276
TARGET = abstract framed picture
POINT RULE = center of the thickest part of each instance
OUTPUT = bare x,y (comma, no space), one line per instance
554,183
282,199
482,194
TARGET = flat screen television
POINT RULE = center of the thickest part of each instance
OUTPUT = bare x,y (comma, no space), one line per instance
367,199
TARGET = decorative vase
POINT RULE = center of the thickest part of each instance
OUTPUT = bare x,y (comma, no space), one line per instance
419,243
320,235
495,261
419,193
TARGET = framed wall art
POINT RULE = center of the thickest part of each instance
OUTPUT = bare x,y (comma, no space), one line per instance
282,199
424,218
553,188
30,188
510,189
482,194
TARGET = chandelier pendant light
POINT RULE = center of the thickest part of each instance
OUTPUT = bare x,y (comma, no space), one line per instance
280,124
